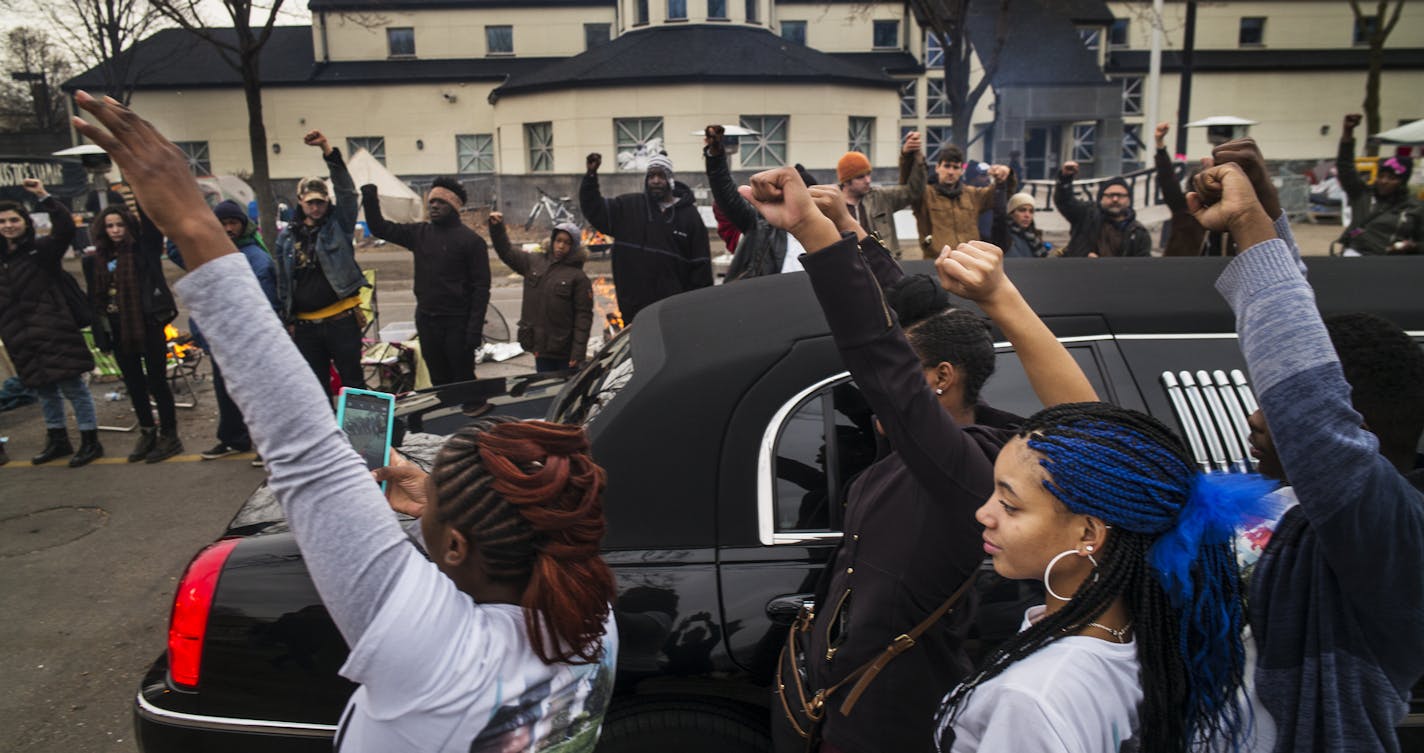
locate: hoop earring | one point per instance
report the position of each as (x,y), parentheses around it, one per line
(1053,562)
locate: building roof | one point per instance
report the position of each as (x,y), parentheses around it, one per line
(894,63)
(1265,60)
(671,54)
(287,60)
(1042,48)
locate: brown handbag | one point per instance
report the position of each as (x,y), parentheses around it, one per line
(803,709)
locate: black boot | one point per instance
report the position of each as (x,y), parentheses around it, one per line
(167,446)
(147,437)
(56,446)
(89,448)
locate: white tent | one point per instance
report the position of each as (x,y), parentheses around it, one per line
(1409,133)
(217,188)
(398,202)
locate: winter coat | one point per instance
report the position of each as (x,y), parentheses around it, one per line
(880,205)
(952,221)
(762,249)
(36,325)
(1187,234)
(1086,220)
(1376,224)
(656,252)
(159,307)
(335,253)
(452,274)
(557,312)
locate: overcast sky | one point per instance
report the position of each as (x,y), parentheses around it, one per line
(23,13)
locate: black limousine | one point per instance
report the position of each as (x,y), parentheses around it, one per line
(729,429)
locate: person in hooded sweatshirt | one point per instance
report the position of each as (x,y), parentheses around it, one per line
(557,312)
(660,245)
(452,278)
(1110,229)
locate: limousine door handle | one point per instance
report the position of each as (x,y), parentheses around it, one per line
(782,610)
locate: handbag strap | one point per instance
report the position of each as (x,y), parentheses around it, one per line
(867,672)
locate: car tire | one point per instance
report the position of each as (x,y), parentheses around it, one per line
(690,726)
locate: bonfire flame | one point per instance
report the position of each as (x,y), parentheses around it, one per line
(177,342)
(605,302)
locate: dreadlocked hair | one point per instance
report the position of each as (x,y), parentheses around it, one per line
(530,498)
(1168,556)
(940,333)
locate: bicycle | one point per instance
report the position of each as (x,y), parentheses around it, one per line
(558,210)
(496,329)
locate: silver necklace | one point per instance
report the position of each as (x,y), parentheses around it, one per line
(1120,634)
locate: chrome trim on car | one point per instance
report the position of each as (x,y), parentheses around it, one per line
(1174,391)
(1235,443)
(1215,451)
(766,471)
(1243,391)
(1237,412)
(228,724)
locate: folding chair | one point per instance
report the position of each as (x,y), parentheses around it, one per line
(106,369)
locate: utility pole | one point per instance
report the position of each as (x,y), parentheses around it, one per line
(1184,101)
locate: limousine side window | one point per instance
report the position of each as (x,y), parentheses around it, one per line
(829,437)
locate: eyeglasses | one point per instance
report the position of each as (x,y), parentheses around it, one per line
(1115,196)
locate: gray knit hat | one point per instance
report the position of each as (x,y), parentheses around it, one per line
(661,162)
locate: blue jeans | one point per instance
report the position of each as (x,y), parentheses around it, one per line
(52,398)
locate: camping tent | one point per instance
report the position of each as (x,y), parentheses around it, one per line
(398,202)
(1409,133)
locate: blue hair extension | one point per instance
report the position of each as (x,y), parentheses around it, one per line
(1216,506)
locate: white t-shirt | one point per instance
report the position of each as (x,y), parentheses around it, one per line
(794,249)
(439,672)
(1077,694)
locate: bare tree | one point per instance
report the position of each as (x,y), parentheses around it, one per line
(240,46)
(948,21)
(1379,32)
(105,31)
(34,67)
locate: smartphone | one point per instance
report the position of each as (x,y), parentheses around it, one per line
(368,418)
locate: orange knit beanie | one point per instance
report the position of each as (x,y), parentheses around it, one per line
(852,166)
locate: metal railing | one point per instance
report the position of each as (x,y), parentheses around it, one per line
(1142,183)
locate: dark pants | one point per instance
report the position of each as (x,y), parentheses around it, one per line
(332,342)
(550,363)
(443,345)
(232,430)
(146,376)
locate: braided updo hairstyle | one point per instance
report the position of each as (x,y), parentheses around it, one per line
(530,499)
(1168,556)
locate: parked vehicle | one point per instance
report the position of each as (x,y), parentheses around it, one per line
(729,429)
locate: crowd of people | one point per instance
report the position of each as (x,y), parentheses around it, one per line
(1157,631)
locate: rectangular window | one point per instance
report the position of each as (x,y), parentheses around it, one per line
(1117,33)
(539,140)
(794,31)
(752,11)
(197,153)
(934,51)
(636,139)
(887,35)
(937,137)
(596,34)
(909,107)
(376,145)
(717,9)
(640,17)
(1252,32)
(499,40)
(1085,142)
(1365,27)
(400,43)
(768,147)
(1132,95)
(677,10)
(937,105)
(474,153)
(1092,37)
(862,135)
(1132,146)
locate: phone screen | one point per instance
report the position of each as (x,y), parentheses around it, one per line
(366,419)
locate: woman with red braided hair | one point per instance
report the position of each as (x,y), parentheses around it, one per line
(503,639)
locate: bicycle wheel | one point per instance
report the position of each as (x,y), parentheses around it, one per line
(496,328)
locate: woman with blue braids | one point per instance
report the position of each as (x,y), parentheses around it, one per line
(1139,644)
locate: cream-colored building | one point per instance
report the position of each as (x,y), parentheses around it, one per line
(527,88)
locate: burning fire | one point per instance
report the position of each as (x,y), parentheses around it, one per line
(605,303)
(177,341)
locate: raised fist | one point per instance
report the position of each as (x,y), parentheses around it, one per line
(999,173)
(912,142)
(1069,169)
(315,138)
(1161,133)
(496,218)
(33,186)
(712,138)
(594,161)
(1352,120)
